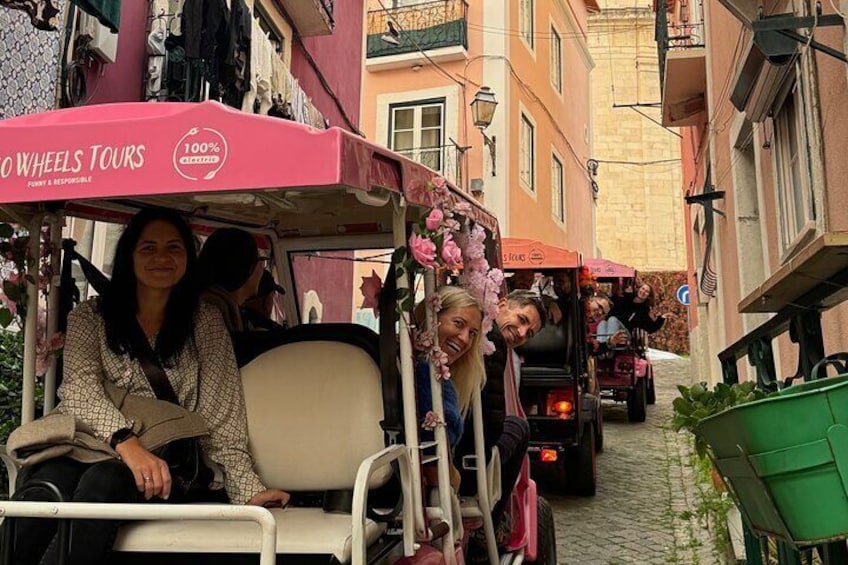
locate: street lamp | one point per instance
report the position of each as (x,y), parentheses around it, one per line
(483,110)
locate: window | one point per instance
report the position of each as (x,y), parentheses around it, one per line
(528,153)
(417,131)
(557,189)
(525,21)
(266,23)
(556,60)
(791,151)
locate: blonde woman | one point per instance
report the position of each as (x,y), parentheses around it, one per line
(459,320)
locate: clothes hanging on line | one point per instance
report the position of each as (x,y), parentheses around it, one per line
(43,14)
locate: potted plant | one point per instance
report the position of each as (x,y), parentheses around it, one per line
(782,455)
(697,402)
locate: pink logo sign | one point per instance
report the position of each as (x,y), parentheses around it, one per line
(200,154)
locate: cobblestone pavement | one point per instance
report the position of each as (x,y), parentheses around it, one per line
(645,483)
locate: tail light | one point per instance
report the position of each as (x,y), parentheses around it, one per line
(548,455)
(560,403)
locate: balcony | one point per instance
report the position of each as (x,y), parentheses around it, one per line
(446,160)
(310,17)
(397,36)
(682,67)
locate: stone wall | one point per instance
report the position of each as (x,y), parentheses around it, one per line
(640,206)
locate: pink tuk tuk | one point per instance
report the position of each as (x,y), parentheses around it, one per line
(625,374)
(313,198)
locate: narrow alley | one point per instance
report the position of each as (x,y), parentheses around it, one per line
(644,511)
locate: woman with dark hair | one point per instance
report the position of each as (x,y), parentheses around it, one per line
(148,315)
(230,271)
(634,310)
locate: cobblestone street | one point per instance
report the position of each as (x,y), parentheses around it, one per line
(645,483)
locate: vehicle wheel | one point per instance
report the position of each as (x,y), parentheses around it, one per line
(584,465)
(652,391)
(545,534)
(637,402)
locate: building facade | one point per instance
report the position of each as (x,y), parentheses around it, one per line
(302,60)
(425,62)
(640,207)
(763,136)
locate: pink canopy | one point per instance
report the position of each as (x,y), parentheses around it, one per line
(604,268)
(148,149)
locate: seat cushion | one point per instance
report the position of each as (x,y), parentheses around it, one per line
(313,412)
(299,531)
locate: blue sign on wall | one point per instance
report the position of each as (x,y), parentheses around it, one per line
(683,295)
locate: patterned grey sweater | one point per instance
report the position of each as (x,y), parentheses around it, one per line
(204,376)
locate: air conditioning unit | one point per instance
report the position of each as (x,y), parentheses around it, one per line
(104,43)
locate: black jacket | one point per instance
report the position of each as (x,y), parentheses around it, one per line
(493,397)
(636,314)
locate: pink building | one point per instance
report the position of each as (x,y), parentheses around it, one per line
(763,122)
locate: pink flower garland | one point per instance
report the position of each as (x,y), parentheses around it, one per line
(483,282)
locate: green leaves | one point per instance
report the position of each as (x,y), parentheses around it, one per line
(6,317)
(698,402)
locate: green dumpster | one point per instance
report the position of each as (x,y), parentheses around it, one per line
(785,459)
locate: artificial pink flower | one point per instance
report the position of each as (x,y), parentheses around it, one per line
(434,219)
(439,183)
(56,343)
(431,421)
(423,250)
(462,207)
(451,253)
(370,289)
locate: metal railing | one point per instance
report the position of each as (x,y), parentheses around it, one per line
(446,160)
(673,36)
(427,25)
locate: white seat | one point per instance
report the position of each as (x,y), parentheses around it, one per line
(299,531)
(313,411)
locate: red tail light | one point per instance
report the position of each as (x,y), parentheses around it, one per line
(548,455)
(560,403)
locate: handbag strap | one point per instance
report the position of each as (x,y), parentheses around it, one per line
(153,369)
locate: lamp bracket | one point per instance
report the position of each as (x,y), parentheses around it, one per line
(766,28)
(704,197)
(490,143)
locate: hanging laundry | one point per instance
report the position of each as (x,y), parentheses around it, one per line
(279,79)
(236,73)
(160,18)
(262,55)
(42,13)
(205,26)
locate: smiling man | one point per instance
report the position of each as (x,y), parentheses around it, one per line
(519,318)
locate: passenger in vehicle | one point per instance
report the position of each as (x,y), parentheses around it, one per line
(521,280)
(604,332)
(634,310)
(458,332)
(230,269)
(149,314)
(519,318)
(562,287)
(258,310)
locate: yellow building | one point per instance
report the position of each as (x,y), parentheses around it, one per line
(426,61)
(640,207)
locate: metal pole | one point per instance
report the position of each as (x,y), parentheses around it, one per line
(443,462)
(107,511)
(410,414)
(56,224)
(31,323)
